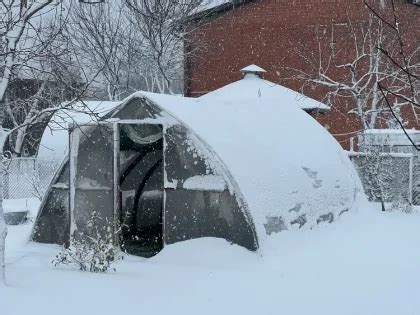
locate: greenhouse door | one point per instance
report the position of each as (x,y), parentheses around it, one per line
(92,201)
(141,188)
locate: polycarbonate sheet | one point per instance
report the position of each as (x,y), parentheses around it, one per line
(91,178)
(202,212)
(137,108)
(52,225)
(194,214)
(181,159)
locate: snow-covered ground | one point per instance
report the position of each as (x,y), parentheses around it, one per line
(366,263)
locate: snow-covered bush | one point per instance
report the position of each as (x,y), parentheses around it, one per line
(401,205)
(94,252)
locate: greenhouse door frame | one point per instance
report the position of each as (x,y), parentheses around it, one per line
(116,140)
(117,171)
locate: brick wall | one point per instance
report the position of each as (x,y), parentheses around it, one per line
(269,33)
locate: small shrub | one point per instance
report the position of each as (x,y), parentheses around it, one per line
(90,253)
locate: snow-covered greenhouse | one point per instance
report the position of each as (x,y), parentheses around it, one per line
(239,163)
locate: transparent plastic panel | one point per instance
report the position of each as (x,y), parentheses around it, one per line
(63,177)
(197,202)
(138,108)
(193,214)
(181,159)
(91,182)
(52,225)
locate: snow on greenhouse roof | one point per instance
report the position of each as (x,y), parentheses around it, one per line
(54,140)
(254,88)
(281,171)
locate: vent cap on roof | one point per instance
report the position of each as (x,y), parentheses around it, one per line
(253,70)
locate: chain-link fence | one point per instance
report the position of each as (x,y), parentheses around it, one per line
(387,176)
(28,178)
(416,181)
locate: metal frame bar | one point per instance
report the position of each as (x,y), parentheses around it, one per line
(72,189)
(164,186)
(116,184)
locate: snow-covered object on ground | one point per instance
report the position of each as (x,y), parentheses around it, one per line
(282,168)
(21,205)
(54,141)
(17,211)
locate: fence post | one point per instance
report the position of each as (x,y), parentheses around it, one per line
(5,179)
(410,181)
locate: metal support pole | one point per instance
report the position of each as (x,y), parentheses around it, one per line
(116,179)
(72,182)
(164,184)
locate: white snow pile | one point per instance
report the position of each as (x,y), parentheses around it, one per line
(205,182)
(367,263)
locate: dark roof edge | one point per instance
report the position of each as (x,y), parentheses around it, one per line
(220,9)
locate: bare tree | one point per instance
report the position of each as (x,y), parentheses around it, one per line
(34,46)
(379,73)
(100,34)
(51,76)
(137,44)
(163,27)
(15,18)
(389,14)
(353,72)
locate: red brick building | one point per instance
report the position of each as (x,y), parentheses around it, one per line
(269,33)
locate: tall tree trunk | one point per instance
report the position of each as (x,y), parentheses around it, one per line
(3,234)
(9,61)
(3,228)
